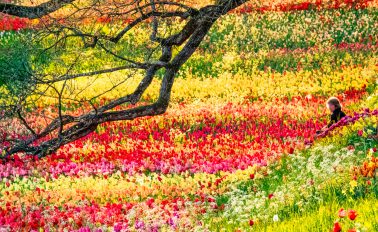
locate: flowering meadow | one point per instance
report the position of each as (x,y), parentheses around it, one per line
(236,149)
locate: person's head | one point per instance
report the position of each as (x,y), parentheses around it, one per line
(333,103)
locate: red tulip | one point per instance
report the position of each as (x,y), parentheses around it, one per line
(251,222)
(336,227)
(150,202)
(352,214)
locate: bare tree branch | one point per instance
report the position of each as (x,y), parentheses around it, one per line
(33,12)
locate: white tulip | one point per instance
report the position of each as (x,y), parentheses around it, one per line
(275,218)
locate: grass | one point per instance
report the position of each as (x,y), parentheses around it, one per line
(320,219)
(325,216)
(305,207)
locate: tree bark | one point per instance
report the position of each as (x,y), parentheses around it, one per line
(33,12)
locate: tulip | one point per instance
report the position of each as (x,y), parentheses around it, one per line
(342,213)
(352,214)
(251,222)
(336,227)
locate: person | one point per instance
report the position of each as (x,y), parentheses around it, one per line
(334,106)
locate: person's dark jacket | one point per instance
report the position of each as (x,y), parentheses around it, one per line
(336,116)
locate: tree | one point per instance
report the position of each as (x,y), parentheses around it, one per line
(66,127)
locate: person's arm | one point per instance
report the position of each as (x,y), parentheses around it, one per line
(321,130)
(332,120)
